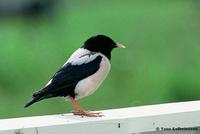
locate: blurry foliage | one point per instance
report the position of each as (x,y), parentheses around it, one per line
(160,64)
(27,8)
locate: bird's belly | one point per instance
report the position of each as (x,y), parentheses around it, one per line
(88,85)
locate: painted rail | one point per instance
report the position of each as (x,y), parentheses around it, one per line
(182,117)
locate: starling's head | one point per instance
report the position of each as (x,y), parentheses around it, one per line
(102,44)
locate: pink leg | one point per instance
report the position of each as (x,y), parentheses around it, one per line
(82,112)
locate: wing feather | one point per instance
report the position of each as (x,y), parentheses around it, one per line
(71,73)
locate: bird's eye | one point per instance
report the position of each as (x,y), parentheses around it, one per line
(112,46)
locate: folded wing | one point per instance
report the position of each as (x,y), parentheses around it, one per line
(65,79)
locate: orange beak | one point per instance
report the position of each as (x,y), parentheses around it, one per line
(120,45)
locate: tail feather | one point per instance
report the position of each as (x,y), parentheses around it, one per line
(34,100)
(40,95)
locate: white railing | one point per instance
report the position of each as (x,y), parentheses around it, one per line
(152,119)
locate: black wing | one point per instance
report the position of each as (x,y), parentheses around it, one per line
(65,80)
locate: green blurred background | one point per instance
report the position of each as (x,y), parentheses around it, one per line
(161,62)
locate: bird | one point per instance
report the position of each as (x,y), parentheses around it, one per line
(81,74)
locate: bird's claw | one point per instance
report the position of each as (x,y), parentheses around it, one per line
(88,113)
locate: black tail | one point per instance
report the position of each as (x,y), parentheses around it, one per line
(34,99)
(40,95)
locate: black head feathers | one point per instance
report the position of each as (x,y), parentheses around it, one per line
(100,43)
